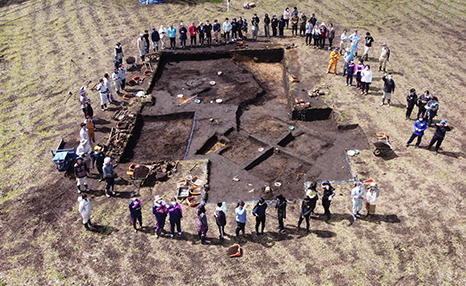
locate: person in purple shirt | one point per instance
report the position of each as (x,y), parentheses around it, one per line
(176,214)
(135,212)
(160,210)
(201,222)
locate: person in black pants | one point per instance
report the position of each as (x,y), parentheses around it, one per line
(306,209)
(135,212)
(439,135)
(274,23)
(329,193)
(422,102)
(221,220)
(411,100)
(281,211)
(259,212)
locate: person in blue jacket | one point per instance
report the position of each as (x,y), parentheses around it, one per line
(176,214)
(240,212)
(160,210)
(259,212)
(419,127)
(172,35)
(135,212)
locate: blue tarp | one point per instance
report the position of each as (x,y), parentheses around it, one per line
(151,1)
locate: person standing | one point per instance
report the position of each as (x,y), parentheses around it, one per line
(331,36)
(281,211)
(85,104)
(135,212)
(226,30)
(109,176)
(388,88)
(81,171)
(239,26)
(202,226)
(334,57)
(313,19)
(85,210)
(308,33)
(208,32)
(103,92)
(384,57)
(259,212)
(419,127)
(141,43)
(234,29)
(312,194)
(84,151)
(354,40)
(146,38)
(359,69)
(176,214)
(346,57)
(183,35)
(302,24)
(371,199)
(357,195)
(329,193)
(155,37)
(172,35)
(122,75)
(281,26)
(255,27)
(220,219)
(343,40)
(193,34)
(350,69)
(316,35)
(109,87)
(366,79)
(160,211)
(368,42)
(163,37)
(267,26)
(274,24)
(116,81)
(83,134)
(294,25)
(439,135)
(90,126)
(286,16)
(431,109)
(201,33)
(99,157)
(217,29)
(323,35)
(422,102)
(306,208)
(240,212)
(119,52)
(411,100)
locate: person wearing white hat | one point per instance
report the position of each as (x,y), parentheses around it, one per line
(371,199)
(357,195)
(109,176)
(142,46)
(439,135)
(84,151)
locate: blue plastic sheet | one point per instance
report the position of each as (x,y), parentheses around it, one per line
(151,1)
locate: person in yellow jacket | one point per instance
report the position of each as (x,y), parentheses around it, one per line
(334,57)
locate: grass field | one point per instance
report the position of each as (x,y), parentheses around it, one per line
(419,238)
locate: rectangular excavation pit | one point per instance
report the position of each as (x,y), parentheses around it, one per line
(241,148)
(273,167)
(163,137)
(311,113)
(307,145)
(214,144)
(286,140)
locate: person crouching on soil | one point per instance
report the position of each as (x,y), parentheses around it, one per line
(334,57)
(135,212)
(371,199)
(85,210)
(357,194)
(281,212)
(176,214)
(202,226)
(160,210)
(109,176)
(259,212)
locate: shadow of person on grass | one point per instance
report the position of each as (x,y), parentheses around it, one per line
(103,229)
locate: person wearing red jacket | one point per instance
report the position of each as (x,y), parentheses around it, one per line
(193,33)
